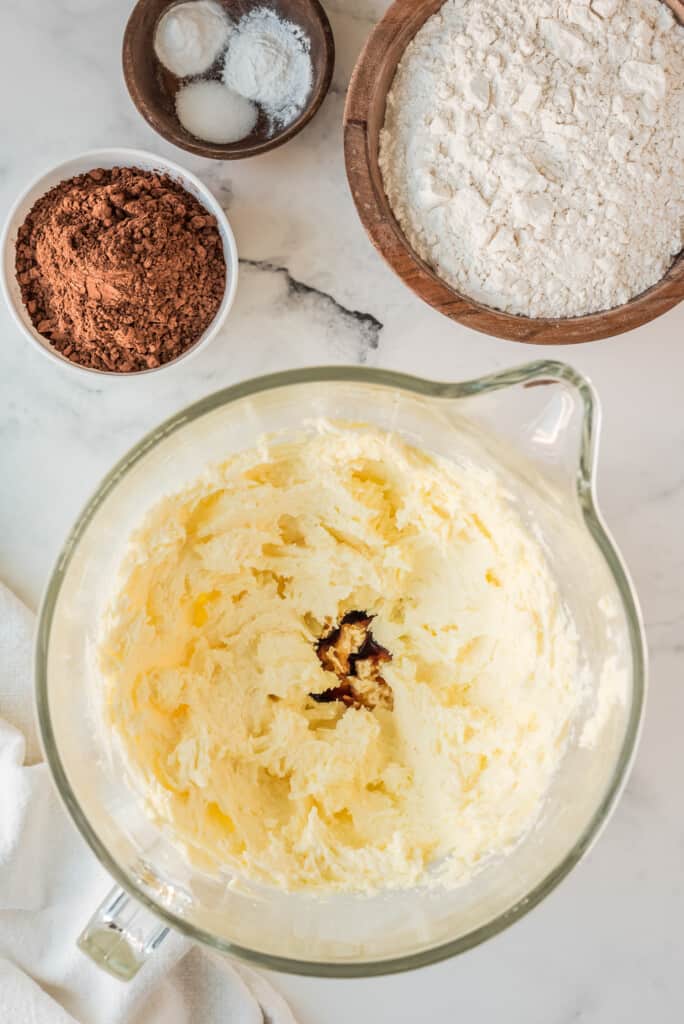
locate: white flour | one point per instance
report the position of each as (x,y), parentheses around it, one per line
(268,62)
(532,152)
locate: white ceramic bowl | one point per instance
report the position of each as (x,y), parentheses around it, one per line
(79,165)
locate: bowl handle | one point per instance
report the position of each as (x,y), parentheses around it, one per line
(121,935)
(556,427)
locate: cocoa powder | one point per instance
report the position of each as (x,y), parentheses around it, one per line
(121,269)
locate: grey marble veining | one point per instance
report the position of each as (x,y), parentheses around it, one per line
(605,948)
(363,328)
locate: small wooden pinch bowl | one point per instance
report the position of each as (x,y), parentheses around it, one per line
(364,116)
(153,88)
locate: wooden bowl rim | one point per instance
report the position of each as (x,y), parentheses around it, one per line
(388,238)
(227,151)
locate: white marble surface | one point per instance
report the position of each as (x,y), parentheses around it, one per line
(605,947)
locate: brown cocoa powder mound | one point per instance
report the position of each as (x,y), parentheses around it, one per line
(121,269)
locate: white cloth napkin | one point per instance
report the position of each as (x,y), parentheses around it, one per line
(50,883)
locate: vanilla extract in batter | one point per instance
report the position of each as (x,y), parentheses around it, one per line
(339,663)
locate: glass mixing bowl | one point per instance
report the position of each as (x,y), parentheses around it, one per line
(537,426)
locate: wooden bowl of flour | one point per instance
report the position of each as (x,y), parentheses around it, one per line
(364,116)
(153,88)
